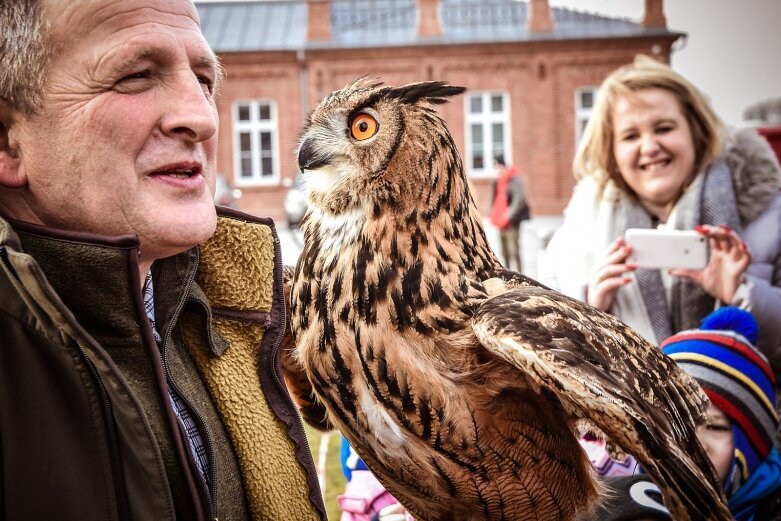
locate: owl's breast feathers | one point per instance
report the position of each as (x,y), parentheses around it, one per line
(386,339)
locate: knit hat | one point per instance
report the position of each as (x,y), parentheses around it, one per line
(736,377)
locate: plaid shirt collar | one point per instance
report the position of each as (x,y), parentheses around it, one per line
(149,304)
(196,444)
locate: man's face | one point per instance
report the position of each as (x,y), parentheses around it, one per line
(125,142)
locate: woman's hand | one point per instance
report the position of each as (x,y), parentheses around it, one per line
(610,275)
(729,259)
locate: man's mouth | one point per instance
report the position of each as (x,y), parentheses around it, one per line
(179,171)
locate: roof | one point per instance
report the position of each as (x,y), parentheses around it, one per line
(273,25)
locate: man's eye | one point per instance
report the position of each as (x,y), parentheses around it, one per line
(133,82)
(208,83)
(141,75)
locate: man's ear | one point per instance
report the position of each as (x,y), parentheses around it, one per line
(11,172)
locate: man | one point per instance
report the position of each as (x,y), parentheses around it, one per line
(138,360)
(508,209)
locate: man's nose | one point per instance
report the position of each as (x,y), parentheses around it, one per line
(190,114)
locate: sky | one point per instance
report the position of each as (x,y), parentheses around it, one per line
(732,51)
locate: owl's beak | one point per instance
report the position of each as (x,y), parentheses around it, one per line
(309,158)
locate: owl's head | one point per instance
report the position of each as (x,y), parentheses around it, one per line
(371,144)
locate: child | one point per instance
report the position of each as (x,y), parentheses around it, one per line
(364,498)
(741,423)
(742,420)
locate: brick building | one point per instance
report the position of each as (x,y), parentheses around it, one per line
(531,72)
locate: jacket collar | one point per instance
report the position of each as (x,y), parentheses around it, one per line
(97,278)
(177,290)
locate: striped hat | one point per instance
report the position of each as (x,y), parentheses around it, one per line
(736,377)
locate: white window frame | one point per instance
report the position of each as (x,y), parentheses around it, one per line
(582,114)
(254,126)
(487,118)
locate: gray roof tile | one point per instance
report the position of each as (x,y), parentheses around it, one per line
(281,24)
(254,26)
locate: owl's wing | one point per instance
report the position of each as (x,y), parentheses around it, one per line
(604,372)
(298,385)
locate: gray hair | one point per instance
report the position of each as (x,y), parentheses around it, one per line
(24,53)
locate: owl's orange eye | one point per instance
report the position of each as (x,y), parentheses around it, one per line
(363,126)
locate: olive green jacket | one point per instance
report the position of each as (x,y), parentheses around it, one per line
(86,427)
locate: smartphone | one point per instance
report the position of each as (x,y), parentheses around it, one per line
(664,249)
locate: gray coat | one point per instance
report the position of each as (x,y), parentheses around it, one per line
(756,179)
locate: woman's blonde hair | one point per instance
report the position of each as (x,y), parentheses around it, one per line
(595,157)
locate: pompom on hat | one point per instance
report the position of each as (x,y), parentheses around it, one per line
(736,377)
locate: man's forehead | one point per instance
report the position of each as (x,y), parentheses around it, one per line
(66,15)
(103,27)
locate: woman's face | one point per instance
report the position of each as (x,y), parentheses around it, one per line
(717,440)
(653,146)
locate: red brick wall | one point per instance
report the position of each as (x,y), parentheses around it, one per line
(253,76)
(540,77)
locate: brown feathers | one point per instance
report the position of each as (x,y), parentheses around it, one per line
(462,423)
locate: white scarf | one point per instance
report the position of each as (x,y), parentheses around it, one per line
(709,200)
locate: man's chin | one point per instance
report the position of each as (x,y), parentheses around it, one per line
(176,242)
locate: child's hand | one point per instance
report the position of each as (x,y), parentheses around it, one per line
(394,512)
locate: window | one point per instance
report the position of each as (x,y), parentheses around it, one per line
(255,142)
(487,131)
(584,104)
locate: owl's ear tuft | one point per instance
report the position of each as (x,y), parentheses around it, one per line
(431,91)
(364,82)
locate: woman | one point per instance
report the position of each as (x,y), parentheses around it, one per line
(654,155)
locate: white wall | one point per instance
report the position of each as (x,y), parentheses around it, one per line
(733,49)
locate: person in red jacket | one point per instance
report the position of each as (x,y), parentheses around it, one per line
(508,209)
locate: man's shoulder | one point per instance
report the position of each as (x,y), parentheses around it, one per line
(7,234)
(517,182)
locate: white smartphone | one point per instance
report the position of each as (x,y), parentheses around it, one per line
(665,249)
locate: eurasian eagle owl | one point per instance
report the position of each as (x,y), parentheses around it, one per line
(457,381)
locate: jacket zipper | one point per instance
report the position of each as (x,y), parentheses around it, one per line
(309,461)
(209,480)
(120,486)
(123,504)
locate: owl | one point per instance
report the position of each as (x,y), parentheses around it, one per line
(461,384)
